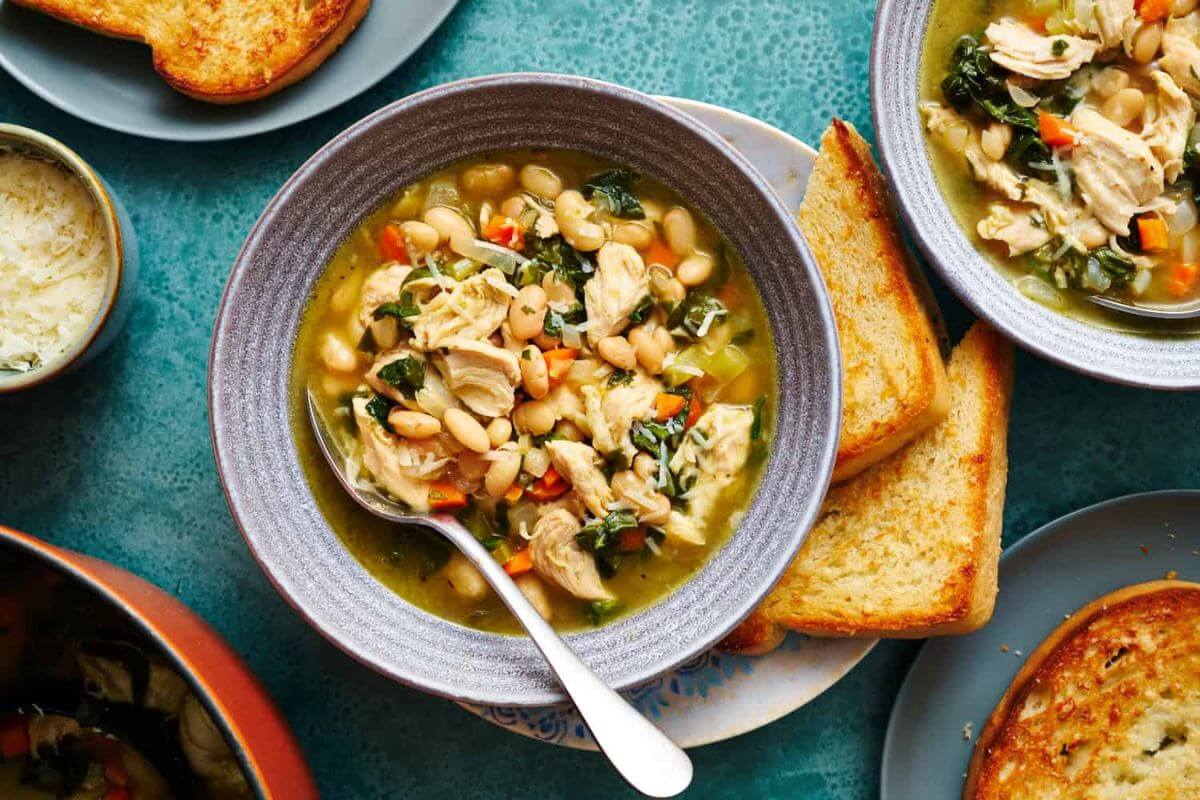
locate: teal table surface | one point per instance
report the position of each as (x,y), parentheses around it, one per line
(115,460)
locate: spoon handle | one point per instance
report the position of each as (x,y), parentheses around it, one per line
(640,752)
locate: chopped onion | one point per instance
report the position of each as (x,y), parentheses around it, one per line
(662,465)
(1020,96)
(503,259)
(1141,282)
(1184,218)
(1041,292)
(570,335)
(1094,278)
(652,546)
(1061,177)
(435,273)
(537,461)
(708,321)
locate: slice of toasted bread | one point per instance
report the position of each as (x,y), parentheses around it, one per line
(894,379)
(910,547)
(1107,706)
(222,51)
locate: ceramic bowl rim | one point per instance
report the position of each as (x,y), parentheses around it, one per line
(50,555)
(45,146)
(828,406)
(1030,334)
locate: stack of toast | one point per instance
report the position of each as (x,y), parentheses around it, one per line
(908,541)
(221,51)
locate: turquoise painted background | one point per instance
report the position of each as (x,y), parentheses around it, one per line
(115,461)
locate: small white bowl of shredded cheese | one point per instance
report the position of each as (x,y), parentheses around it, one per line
(67,260)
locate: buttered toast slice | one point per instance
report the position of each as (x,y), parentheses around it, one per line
(910,548)
(222,51)
(893,375)
(1107,706)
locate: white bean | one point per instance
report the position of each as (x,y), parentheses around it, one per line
(499,431)
(649,352)
(569,431)
(557,291)
(573,214)
(680,230)
(541,181)
(995,139)
(337,355)
(467,430)
(665,286)
(1146,43)
(503,471)
(535,592)
(413,424)
(527,313)
(665,340)
(695,269)
(513,207)
(448,223)
(423,237)
(1124,107)
(385,332)
(464,578)
(645,466)
(534,374)
(1181,8)
(534,417)
(617,351)
(486,180)
(638,234)
(1109,81)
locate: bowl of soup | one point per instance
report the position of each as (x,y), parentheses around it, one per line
(110,688)
(1045,157)
(583,325)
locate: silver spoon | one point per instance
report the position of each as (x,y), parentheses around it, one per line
(1191,311)
(640,752)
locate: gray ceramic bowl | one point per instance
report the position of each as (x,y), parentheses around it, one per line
(1163,362)
(289,248)
(122,265)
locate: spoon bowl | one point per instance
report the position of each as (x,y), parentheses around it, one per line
(1190,311)
(640,752)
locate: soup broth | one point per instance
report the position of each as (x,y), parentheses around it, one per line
(619,351)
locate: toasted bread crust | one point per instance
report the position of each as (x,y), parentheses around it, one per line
(199,57)
(755,636)
(848,190)
(966,596)
(1143,616)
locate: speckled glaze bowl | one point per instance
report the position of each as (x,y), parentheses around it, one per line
(270,757)
(1156,361)
(122,265)
(288,250)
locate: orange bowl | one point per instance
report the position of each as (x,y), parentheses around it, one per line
(270,757)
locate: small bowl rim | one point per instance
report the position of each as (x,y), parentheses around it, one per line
(47,147)
(1030,334)
(53,556)
(829,403)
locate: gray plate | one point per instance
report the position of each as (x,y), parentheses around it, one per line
(1052,572)
(1163,361)
(112,83)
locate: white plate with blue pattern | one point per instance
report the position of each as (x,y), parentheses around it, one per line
(718,696)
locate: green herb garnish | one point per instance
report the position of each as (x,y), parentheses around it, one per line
(405,374)
(612,192)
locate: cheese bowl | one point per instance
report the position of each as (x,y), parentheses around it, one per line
(121,260)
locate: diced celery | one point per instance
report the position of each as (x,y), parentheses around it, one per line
(461,269)
(727,364)
(686,363)
(503,553)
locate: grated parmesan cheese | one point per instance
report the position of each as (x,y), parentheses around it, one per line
(53,261)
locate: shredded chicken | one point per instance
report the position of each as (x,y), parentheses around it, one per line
(383,286)
(1117,174)
(559,558)
(1116,23)
(712,453)
(621,282)
(579,464)
(1017,47)
(612,412)
(394,464)
(480,374)
(473,309)
(1167,123)
(1181,52)
(1022,228)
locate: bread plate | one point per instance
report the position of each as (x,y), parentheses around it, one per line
(955,683)
(717,695)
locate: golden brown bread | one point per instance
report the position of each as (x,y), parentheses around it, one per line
(893,374)
(222,51)
(910,548)
(1107,706)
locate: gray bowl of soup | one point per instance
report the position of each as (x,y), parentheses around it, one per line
(569,315)
(1045,156)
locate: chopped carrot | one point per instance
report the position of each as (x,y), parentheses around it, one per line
(694,411)
(520,563)
(115,772)
(14,736)
(1151,11)
(444,495)
(1036,22)
(117,793)
(667,406)
(1056,131)
(659,253)
(548,487)
(1182,279)
(558,364)
(514,493)
(631,540)
(505,231)
(730,295)
(1152,232)
(391,244)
